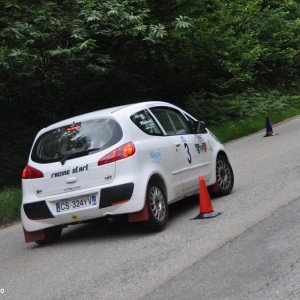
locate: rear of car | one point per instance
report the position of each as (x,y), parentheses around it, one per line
(72,165)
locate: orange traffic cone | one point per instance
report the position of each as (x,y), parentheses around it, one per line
(206,208)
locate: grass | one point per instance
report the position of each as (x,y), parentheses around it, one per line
(10,203)
(10,198)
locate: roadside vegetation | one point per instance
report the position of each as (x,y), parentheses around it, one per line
(228,62)
(10,203)
(253,120)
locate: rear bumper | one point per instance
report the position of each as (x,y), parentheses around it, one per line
(112,199)
(116,195)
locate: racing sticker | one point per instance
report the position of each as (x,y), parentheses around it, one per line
(200,138)
(186,146)
(198,148)
(73,127)
(80,169)
(155,155)
(204,146)
(71,171)
(144,121)
(147,124)
(183,139)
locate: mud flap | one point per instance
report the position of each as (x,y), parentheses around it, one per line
(213,188)
(33,236)
(139,216)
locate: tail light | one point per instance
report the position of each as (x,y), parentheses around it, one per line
(121,152)
(31,173)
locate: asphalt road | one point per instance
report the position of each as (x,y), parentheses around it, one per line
(262,263)
(254,243)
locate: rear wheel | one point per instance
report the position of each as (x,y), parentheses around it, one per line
(224,175)
(52,234)
(157,206)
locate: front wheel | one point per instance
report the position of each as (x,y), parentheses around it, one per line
(157,207)
(224,175)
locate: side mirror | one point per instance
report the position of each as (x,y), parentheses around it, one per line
(200,127)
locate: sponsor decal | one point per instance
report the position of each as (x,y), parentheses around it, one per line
(204,146)
(80,169)
(147,124)
(155,155)
(71,171)
(142,116)
(61,173)
(200,138)
(74,127)
(198,148)
(182,138)
(70,189)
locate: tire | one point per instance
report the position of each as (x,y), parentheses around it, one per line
(224,175)
(157,207)
(52,235)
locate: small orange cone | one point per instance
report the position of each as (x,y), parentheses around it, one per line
(206,208)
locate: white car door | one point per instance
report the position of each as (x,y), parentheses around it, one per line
(183,145)
(157,148)
(204,149)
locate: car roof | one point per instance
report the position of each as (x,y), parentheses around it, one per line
(129,108)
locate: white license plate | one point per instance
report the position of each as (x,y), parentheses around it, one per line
(69,205)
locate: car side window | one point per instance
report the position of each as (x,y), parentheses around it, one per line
(165,121)
(171,120)
(145,122)
(195,124)
(191,122)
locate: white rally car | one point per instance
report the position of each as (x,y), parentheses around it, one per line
(133,159)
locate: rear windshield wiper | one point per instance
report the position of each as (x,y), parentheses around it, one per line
(75,154)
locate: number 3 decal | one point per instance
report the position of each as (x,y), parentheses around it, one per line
(188,152)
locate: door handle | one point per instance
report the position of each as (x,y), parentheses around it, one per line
(177,144)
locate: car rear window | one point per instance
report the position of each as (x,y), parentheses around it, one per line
(76,138)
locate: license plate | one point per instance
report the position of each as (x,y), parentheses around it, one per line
(69,205)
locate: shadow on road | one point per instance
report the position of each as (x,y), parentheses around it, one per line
(120,228)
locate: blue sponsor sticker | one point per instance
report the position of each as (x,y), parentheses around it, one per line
(182,138)
(155,155)
(200,138)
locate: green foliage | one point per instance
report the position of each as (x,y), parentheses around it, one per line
(214,46)
(10,202)
(63,58)
(214,109)
(234,129)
